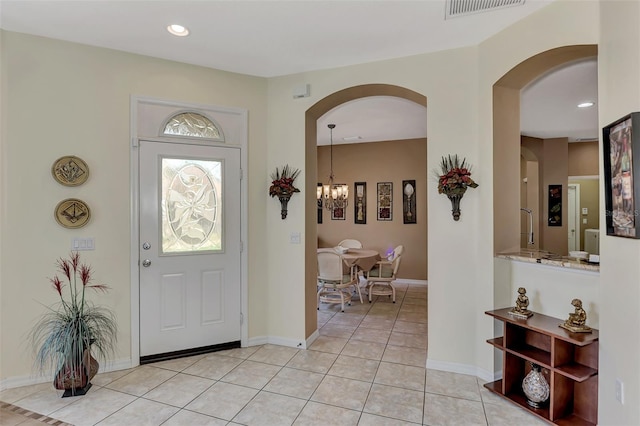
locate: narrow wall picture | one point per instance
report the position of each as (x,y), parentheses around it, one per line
(385,201)
(620,144)
(555,205)
(360,205)
(319,202)
(409,201)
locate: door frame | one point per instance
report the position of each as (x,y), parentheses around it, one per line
(576,213)
(134,267)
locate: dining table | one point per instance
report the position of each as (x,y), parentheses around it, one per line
(360,258)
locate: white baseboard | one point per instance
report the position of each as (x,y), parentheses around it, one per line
(19,381)
(312,338)
(274,340)
(281,341)
(472,370)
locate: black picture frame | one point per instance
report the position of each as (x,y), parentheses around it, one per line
(409,201)
(319,201)
(554,206)
(338,213)
(621,158)
(360,203)
(385,201)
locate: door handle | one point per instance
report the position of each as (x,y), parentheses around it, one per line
(146,263)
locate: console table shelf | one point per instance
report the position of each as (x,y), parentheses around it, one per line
(569,362)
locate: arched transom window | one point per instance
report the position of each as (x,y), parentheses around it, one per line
(192,124)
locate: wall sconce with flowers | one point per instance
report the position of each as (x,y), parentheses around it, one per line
(282,186)
(454,180)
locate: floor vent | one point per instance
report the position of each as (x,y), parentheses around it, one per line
(456,8)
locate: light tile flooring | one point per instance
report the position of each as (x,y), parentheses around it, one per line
(367,367)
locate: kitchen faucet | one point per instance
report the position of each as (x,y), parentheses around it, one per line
(530,233)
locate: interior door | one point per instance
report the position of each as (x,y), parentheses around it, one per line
(189,246)
(573,226)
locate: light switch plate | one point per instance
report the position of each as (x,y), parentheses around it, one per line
(294,238)
(585,210)
(79,244)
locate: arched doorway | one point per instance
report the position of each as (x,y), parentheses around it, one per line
(506,137)
(311,117)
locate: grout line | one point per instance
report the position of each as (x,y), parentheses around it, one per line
(4,406)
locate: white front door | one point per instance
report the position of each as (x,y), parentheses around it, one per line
(190,281)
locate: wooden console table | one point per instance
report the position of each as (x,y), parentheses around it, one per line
(569,362)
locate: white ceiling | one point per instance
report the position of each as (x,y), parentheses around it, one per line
(272,38)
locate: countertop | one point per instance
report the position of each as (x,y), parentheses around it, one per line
(550,259)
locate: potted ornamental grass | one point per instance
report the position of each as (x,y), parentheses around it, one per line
(69,331)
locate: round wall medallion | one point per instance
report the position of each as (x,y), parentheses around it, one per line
(70,170)
(72,213)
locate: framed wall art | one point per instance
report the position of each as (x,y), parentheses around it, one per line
(338,213)
(360,204)
(385,201)
(319,201)
(555,205)
(621,145)
(409,201)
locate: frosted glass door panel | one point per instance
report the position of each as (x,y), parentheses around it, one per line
(191,205)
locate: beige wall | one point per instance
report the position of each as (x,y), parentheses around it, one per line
(392,161)
(618,94)
(61,98)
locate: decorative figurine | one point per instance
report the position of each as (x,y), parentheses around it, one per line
(577,320)
(522,303)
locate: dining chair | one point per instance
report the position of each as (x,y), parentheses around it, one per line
(350,243)
(380,278)
(333,282)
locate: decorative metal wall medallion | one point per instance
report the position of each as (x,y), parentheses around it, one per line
(72,213)
(70,171)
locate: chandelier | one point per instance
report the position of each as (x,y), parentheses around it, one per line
(331,195)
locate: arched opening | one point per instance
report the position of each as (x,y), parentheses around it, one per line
(311,117)
(506,138)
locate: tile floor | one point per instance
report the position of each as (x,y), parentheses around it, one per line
(367,367)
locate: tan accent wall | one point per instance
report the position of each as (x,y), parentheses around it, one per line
(392,161)
(589,199)
(584,161)
(555,172)
(506,186)
(583,158)
(551,159)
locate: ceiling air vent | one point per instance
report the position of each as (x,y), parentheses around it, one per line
(457,8)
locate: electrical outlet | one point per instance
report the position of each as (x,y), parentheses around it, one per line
(620,391)
(294,238)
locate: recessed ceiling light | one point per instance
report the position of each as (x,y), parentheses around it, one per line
(178,30)
(586,104)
